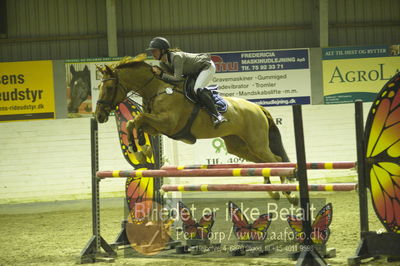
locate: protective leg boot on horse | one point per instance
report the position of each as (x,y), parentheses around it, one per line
(206,99)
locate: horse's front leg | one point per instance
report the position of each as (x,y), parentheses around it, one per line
(150,123)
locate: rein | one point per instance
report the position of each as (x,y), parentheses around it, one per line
(111,102)
(150,100)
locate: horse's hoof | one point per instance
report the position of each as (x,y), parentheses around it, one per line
(132,148)
(274,195)
(293,199)
(147,151)
(142,138)
(140,157)
(291,178)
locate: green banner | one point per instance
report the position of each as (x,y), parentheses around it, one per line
(357,73)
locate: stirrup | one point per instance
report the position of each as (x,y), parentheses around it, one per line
(218,120)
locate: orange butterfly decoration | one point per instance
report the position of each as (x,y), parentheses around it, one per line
(249,231)
(382,135)
(139,191)
(319,229)
(193,229)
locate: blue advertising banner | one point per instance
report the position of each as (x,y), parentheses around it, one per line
(268,78)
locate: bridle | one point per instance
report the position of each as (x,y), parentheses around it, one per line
(110,103)
(107,103)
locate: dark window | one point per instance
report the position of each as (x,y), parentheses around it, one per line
(3,17)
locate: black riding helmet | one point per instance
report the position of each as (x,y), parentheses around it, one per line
(159,43)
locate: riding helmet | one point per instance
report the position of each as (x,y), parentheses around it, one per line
(159,43)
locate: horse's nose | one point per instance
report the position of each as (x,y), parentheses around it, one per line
(72,109)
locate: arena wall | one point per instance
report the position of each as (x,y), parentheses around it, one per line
(50,159)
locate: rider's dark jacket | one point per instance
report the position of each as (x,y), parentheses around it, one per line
(182,64)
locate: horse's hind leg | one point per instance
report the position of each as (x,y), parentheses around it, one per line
(276,146)
(292,198)
(261,147)
(236,146)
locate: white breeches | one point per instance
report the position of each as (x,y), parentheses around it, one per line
(204,77)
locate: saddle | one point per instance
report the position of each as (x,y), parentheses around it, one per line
(188,89)
(190,94)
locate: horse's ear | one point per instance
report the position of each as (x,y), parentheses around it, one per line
(72,69)
(108,70)
(100,69)
(86,69)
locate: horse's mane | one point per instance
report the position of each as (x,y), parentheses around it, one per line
(129,61)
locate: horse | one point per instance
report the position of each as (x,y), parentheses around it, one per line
(249,132)
(80,88)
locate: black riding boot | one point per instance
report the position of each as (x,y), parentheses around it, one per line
(206,99)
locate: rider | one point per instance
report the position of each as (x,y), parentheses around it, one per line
(182,64)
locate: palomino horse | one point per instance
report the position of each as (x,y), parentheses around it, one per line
(249,133)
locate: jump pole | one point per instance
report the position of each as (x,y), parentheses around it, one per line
(314,165)
(258,187)
(308,254)
(199,172)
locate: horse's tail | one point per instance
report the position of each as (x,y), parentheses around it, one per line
(275,139)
